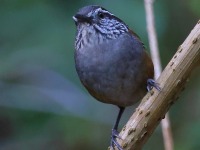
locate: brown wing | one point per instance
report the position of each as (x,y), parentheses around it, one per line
(149,64)
(134,34)
(147,58)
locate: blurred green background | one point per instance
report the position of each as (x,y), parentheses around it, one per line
(43,106)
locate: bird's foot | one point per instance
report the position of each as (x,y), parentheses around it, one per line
(113,142)
(151,83)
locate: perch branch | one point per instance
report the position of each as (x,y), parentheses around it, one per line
(153,43)
(155,104)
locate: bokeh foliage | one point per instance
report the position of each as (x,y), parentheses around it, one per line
(42,103)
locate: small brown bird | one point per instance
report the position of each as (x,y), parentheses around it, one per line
(111,61)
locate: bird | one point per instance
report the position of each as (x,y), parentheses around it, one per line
(111,61)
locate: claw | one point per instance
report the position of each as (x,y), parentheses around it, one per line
(113,143)
(115,133)
(151,83)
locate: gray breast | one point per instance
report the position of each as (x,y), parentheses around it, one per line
(111,70)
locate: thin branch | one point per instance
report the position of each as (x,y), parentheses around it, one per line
(167,133)
(153,43)
(155,104)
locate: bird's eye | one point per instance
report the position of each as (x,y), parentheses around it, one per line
(101,15)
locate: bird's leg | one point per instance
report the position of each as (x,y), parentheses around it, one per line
(151,83)
(115,133)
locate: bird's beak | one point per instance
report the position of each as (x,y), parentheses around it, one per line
(81,18)
(75,19)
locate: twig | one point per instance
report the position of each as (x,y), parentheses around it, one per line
(155,104)
(167,133)
(152,37)
(165,123)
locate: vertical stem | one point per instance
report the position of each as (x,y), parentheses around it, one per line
(152,36)
(153,43)
(167,133)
